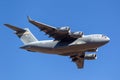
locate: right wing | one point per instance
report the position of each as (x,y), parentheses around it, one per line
(56,33)
(78,59)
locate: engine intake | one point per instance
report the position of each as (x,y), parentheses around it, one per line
(76,34)
(64,28)
(90,56)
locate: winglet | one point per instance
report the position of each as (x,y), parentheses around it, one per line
(15,28)
(29,19)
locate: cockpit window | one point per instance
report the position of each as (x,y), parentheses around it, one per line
(104,36)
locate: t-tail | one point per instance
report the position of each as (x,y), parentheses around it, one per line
(24,34)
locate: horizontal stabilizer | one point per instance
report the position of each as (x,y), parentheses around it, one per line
(24,34)
(15,28)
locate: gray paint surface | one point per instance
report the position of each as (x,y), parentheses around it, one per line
(64,43)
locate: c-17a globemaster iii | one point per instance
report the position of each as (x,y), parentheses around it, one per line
(65,43)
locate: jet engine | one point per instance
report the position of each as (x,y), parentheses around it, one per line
(76,34)
(90,56)
(92,50)
(64,28)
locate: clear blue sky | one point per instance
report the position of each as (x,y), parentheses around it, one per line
(89,16)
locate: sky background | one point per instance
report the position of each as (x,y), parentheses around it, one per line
(89,16)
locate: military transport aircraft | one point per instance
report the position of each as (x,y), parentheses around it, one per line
(65,43)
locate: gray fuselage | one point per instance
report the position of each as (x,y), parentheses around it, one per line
(83,44)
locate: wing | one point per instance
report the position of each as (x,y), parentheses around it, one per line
(52,31)
(79,60)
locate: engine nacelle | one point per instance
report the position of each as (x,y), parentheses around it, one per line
(76,34)
(90,56)
(64,28)
(92,50)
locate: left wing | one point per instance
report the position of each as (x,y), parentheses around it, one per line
(78,59)
(56,33)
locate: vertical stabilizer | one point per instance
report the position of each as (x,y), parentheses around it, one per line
(24,34)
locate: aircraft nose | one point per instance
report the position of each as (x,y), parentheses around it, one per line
(106,39)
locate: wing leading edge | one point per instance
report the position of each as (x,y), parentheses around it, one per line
(52,31)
